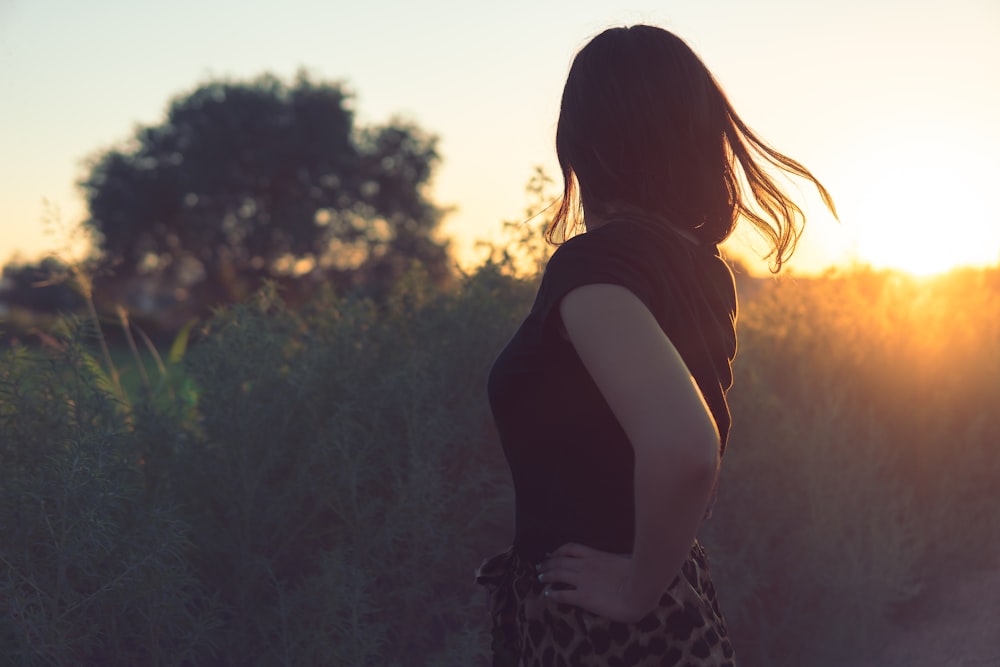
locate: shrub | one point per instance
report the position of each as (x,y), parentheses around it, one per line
(346,477)
(93,573)
(318,484)
(860,456)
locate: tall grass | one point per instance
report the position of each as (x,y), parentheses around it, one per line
(861,456)
(92,571)
(318,484)
(345,470)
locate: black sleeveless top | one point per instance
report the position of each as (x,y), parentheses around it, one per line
(570,460)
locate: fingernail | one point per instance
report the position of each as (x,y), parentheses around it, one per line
(545,592)
(538,567)
(540,576)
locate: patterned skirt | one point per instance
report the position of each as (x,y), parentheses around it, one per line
(686,628)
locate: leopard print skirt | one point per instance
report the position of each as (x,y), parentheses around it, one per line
(686,628)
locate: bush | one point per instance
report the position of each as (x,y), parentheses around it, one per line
(318,485)
(94,573)
(346,476)
(860,457)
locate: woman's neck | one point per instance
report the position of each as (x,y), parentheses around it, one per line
(600,217)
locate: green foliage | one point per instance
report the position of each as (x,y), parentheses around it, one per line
(93,573)
(248,181)
(318,484)
(524,251)
(346,475)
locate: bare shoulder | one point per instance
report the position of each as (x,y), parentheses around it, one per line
(610,327)
(635,365)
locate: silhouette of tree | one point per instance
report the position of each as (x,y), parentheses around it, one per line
(39,286)
(245,181)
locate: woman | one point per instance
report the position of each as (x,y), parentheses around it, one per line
(610,399)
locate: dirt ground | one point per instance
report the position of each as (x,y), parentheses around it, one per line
(954,622)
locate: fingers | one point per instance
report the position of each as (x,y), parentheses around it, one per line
(564,596)
(567,564)
(560,575)
(561,563)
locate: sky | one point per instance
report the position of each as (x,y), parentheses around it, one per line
(890,103)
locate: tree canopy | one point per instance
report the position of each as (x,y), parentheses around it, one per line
(244,181)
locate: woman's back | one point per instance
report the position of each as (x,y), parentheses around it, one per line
(570,459)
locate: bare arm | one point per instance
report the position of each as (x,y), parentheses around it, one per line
(676,444)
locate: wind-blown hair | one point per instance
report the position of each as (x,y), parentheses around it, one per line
(644,125)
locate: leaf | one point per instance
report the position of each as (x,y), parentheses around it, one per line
(179,346)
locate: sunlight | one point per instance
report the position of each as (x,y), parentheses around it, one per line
(924,210)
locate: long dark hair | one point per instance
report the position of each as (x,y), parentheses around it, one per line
(644,125)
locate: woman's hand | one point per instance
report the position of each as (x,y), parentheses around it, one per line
(602,583)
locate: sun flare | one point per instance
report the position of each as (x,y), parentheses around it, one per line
(923,213)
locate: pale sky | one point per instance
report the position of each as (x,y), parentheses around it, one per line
(891,103)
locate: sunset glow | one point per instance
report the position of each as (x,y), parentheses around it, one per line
(921,208)
(898,121)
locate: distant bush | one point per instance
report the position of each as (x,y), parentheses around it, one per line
(39,287)
(318,484)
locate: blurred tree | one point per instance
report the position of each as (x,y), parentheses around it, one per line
(245,181)
(39,286)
